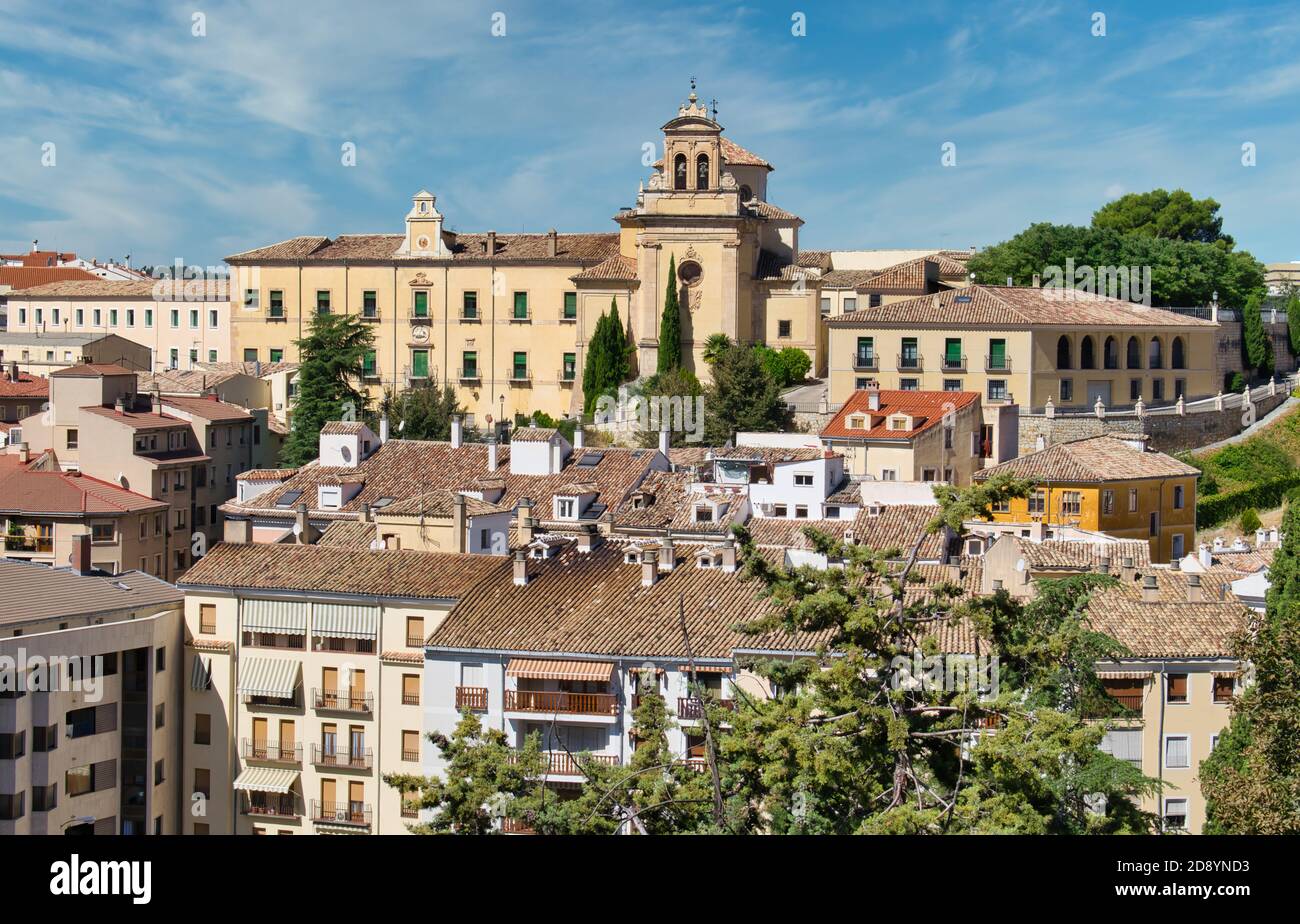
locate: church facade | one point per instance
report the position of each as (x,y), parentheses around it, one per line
(505,319)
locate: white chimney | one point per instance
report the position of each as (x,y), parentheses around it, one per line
(1204,556)
(664,441)
(457,432)
(588,539)
(649,568)
(729,555)
(383,429)
(1150,589)
(1261,536)
(579,439)
(520,568)
(1193,588)
(1127,570)
(668,555)
(492,454)
(873,399)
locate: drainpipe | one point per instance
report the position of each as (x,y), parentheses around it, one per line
(1160,753)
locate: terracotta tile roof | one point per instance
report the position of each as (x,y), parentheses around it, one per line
(342,428)
(849,493)
(1063,554)
(769,212)
(845,279)
(902,277)
(266,474)
(926,408)
(208,409)
(35,591)
(532,434)
(581,248)
(197,290)
(594,604)
(25,277)
(354,534)
(295,248)
(27,386)
(774,455)
(814,259)
(210,644)
(403,657)
(343,570)
(441,503)
(949,266)
(27,490)
(40,257)
(1092,460)
(1172,627)
(247,368)
(617,268)
(138,420)
(667,502)
(733,153)
(896,526)
(91,370)
(1016,307)
(775,266)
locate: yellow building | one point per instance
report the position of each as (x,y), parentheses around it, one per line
(505,319)
(1108,485)
(1025,345)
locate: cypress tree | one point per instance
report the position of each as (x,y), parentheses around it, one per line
(1293,321)
(596,371)
(670,325)
(1259,348)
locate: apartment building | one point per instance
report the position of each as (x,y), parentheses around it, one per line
(1025,345)
(90,710)
(913,435)
(21,394)
(41,352)
(45,510)
(305,667)
(844,291)
(1110,485)
(177,323)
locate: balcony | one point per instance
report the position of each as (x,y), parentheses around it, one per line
(343,700)
(514,826)
(953,363)
(369,314)
(521,377)
(342,760)
(691,707)
(547,701)
(909,363)
(865,362)
(470,375)
(410,809)
(562,763)
(412,756)
(271,752)
(40,545)
(567,376)
(410,699)
(989,364)
(415,641)
(420,320)
(270,805)
(341,813)
(475,699)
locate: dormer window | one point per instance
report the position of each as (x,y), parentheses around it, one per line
(898,423)
(330,497)
(631,558)
(566,508)
(857,423)
(703,513)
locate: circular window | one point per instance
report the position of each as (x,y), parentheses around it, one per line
(746,194)
(690,273)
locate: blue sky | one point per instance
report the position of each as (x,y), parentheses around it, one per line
(174,146)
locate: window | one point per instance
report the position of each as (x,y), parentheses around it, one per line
(415,631)
(908,384)
(370,304)
(783,328)
(159,772)
(13,807)
(1107,502)
(130,317)
(521,306)
(250,354)
(322,301)
(1063,353)
(1157,389)
(410,745)
(1127,690)
(780,510)
(368,364)
(72,439)
(1038,502)
(13,745)
(420,306)
(45,798)
(202,728)
(1001,506)
(419,364)
(1180,388)
(825,306)
(160,715)
(866,354)
(1177,547)
(194,319)
(411,689)
(1175,688)
(929,474)
(1134,389)
(679,171)
(1067,391)
(952,384)
(251,298)
(194,357)
(1070,503)
(702,172)
(203,782)
(803,479)
(570,370)
(703,514)
(207,619)
(997,389)
(850,304)
(801,512)
(520,370)
(997,354)
(1178,497)
(888,474)
(952,358)
(1124,744)
(1132,500)
(469,364)
(1175,814)
(1087,355)
(570,306)
(1110,353)
(469,306)
(909,358)
(1134,351)
(1178,354)
(276,354)
(213,321)
(101,532)
(1177,752)
(275,300)
(1224,688)
(947,437)
(1154,358)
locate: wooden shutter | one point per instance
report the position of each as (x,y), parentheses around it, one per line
(259,732)
(207,618)
(330,678)
(411,687)
(356,791)
(286,734)
(358,682)
(1177,687)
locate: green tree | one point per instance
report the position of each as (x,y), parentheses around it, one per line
(671,390)
(608,362)
(742,396)
(670,325)
(1159,213)
(1256,342)
(423,412)
(715,346)
(1292,308)
(330,361)
(1251,780)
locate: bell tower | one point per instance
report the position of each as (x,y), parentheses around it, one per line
(692,149)
(424,227)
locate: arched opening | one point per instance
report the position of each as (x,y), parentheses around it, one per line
(1179,354)
(679,171)
(1134,353)
(1110,353)
(1155,360)
(702,172)
(1087,355)
(1063,353)
(746,194)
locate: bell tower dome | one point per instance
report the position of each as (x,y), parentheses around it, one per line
(424,227)
(692,149)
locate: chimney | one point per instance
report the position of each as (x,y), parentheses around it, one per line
(120,404)
(1127,571)
(649,568)
(239,531)
(579,438)
(588,539)
(457,432)
(1194,588)
(667,554)
(520,565)
(1150,589)
(490,246)
(1104,567)
(1261,536)
(492,453)
(551,244)
(156,403)
(80,558)
(367,514)
(664,441)
(302,527)
(24,453)
(953,570)
(1036,530)
(873,399)
(13,372)
(383,429)
(729,555)
(458,524)
(1038,281)
(557,457)
(34,243)
(526,522)
(1204,556)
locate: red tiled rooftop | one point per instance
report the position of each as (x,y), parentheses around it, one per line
(27,386)
(928,406)
(27,491)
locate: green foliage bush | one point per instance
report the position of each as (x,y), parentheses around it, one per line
(1264,495)
(1250,461)
(1249,521)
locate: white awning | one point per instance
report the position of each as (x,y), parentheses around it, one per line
(281,617)
(267,779)
(345,620)
(1123,675)
(268,677)
(201,673)
(537,669)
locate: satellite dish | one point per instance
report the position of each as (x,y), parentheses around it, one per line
(297,529)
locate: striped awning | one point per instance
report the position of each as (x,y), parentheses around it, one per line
(267,779)
(1123,675)
(268,677)
(1226,674)
(281,617)
(345,620)
(594,671)
(201,673)
(708,668)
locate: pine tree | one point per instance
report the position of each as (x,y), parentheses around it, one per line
(330,361)
(1255,339)
(741,397)
(670,325)
(425,412)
